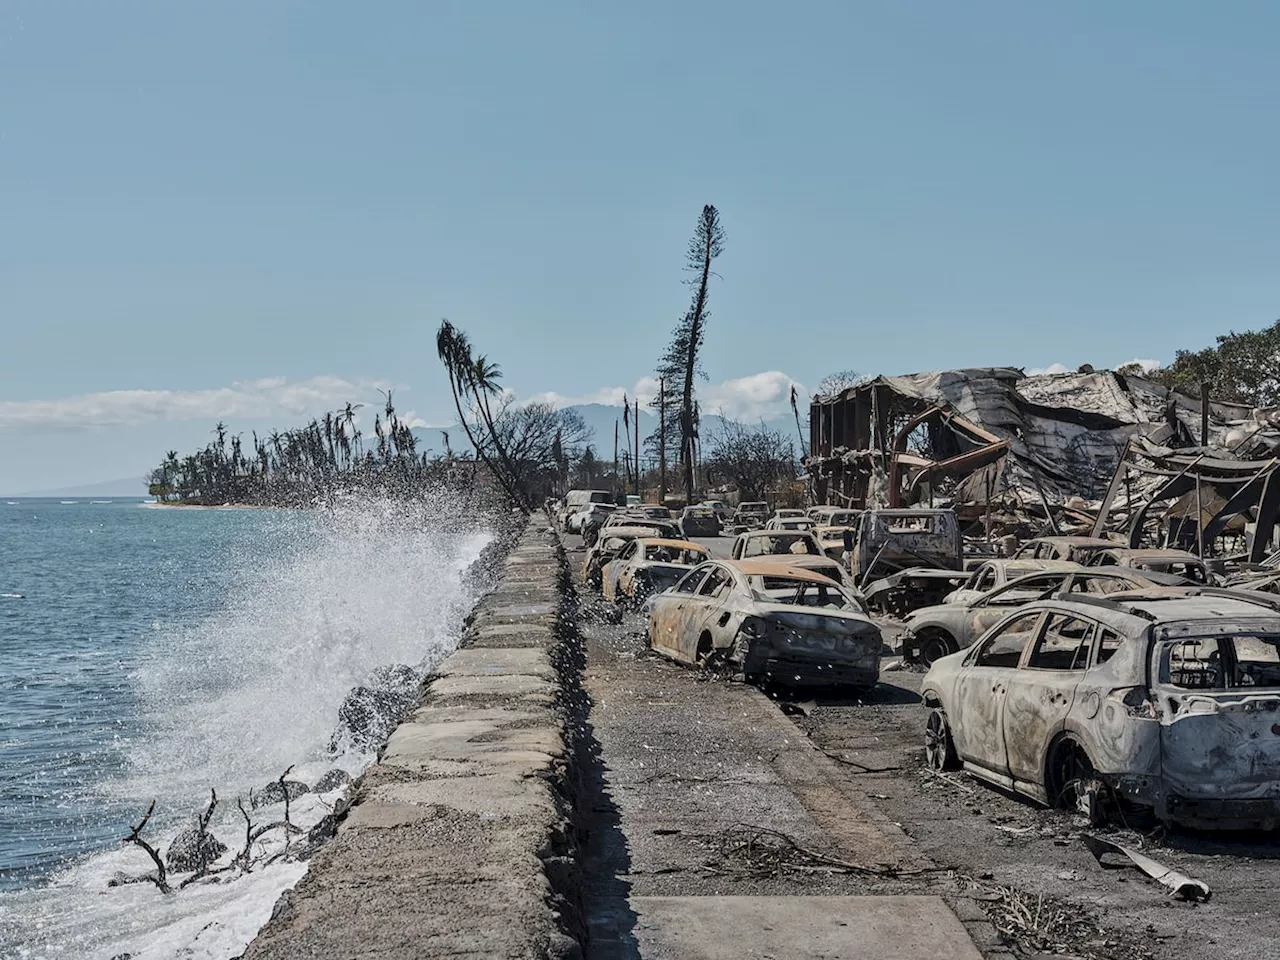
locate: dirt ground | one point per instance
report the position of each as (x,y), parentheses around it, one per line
(670,788)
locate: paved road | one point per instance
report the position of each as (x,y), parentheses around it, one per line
(1002,848)
(700,788)
(986,832)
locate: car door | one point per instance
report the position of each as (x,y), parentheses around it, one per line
(977,712)
(707,606)
(669,610)
(611,576)
(1039,694)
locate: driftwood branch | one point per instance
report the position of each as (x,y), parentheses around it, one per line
(288,824)
(161,878)
(243,859)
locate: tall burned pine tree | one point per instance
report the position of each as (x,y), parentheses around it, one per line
(679,366)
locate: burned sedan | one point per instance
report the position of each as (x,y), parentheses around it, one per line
(610,543)
(648,566)
(998,571)
(1165,699)
(934,632)
(769,621)
(775,543)
(1177,562)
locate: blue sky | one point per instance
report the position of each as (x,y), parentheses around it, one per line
(265,207)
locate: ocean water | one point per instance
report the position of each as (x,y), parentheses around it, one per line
(152,653)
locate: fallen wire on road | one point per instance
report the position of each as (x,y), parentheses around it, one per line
(861,766)
(760,852)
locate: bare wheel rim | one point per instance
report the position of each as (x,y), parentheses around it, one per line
(1071,766)
(935,740)
(935,648)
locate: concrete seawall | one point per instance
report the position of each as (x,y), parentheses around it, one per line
(459,842)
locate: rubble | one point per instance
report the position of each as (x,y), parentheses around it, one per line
(1087,452)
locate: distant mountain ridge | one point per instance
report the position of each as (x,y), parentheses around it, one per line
(124,487)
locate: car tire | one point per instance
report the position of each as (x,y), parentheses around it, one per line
(1066,765)
(939,746)
(934,645)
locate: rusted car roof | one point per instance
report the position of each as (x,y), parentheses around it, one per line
(1151,553)
(678,544)
(768,567)
(634,533)
(1162,604)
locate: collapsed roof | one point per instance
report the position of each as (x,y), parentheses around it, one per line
(997,437)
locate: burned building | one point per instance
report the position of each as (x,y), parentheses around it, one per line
(996,443)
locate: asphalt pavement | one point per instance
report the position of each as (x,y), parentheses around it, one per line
(718,829)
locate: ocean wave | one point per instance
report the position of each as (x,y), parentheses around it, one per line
(317,602)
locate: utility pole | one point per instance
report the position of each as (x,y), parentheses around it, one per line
(662,441)
(615,456)
(1204,415)
(636,419)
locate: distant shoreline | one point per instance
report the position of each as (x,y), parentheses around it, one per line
(212,506)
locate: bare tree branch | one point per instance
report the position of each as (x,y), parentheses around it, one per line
(161,878)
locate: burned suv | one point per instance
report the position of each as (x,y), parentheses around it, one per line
(1166,699)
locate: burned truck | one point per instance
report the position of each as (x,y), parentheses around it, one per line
(907,558)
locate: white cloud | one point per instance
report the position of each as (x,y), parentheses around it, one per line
(1147,365)
(1050,369)
(763,395)
(251,399)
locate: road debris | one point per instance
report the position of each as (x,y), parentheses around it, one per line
(1178,884)
(761,852)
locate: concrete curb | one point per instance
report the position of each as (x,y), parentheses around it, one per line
(460,840)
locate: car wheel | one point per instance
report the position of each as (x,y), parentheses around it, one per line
(939,747)
(935,645)
(1068,766)
(705,651)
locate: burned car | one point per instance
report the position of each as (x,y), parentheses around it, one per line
(832,540)
(750,516)
(789,523)
(627,518)
(989,574)
(609,544)
(1165,700)
(901,593)
(700,522)
(935,632)
(1262,581)
(892,540)
(828,516)
(777,543)
(1177,562)
(648,566)
(580,516)
(769,621)
(1075,549)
